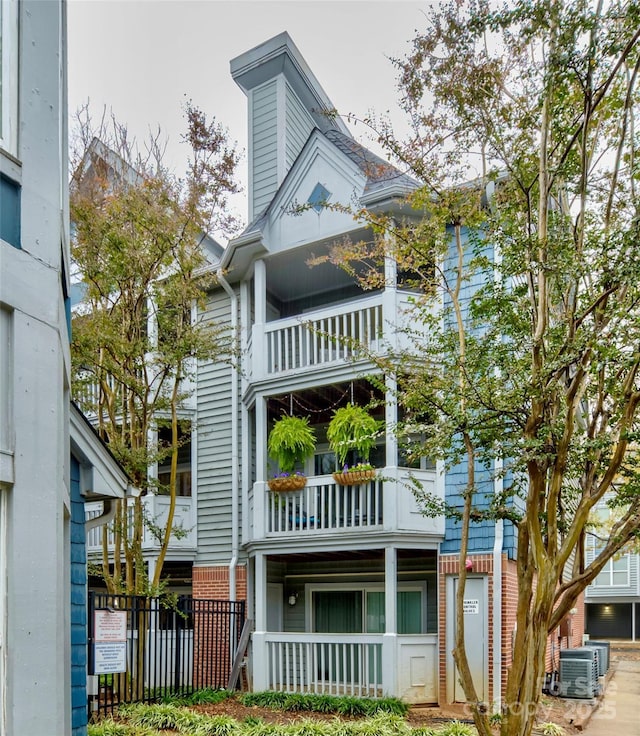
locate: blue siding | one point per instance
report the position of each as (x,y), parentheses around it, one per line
(481,534)
(78,608)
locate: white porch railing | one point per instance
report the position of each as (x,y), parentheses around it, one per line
(335,664)
(324,507)
(347,664)
(317,338)
(325,336)
(156,509)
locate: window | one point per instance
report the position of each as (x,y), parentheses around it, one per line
(9,211)
(358,611)
(615,572)
(9,75)
(183,479)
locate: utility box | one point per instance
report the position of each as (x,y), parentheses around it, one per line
(564,630)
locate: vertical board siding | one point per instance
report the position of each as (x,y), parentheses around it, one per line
(264,145)
(214,448)
(299,126)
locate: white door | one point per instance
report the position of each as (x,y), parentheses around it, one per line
(476,636)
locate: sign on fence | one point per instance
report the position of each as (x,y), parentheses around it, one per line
(109,641)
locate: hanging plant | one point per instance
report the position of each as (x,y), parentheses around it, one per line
(291,441)
(352,428)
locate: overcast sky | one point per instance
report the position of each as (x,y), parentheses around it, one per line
(144,58)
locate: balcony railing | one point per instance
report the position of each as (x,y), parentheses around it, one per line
(155,510)
(347,664)
(326,336)
(330,664)
(325,507)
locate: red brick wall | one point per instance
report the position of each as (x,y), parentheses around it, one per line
(556,642)
(212,664)
(482,564)
(213,582)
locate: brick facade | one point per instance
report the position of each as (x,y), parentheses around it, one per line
(212,582)
(483,565)
(212,665)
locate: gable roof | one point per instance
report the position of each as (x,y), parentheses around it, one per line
(379,173)
(382,178)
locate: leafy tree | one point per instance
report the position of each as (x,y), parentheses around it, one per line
(140,246)
(524,136)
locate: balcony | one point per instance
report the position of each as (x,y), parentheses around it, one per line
(155,509)
(325,508)
(324,337)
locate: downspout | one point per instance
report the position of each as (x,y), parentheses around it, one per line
(235,479)
(107,515)
(497,597)
(108,510)
(498,539)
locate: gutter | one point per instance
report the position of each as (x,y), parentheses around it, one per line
(497,597)
(235,479)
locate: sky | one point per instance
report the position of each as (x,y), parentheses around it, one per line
(143,59)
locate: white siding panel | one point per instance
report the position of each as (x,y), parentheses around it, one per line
(299,127)
(264,145)
(214,449)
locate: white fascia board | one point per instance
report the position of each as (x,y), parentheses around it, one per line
(101,474)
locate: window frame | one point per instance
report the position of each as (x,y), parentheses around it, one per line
(364,588)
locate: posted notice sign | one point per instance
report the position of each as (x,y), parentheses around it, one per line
(110,641)
(471,605)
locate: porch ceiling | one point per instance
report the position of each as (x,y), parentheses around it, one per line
(290,277)
(320,401)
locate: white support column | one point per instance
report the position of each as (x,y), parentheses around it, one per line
(390,638)
(258,347)
(391,422)
(390,298)
(245,333)
(260,653)
(261,438)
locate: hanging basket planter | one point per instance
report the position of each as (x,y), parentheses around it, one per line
(287,483)
(353,477)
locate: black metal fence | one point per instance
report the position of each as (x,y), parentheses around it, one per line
(170,647)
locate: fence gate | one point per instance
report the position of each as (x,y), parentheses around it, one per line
(171,647)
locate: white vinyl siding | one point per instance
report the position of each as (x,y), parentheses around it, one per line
(299,127)
(9,75)
(619,577)
(264,142)
(214,449)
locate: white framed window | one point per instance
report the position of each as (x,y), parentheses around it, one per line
(614,573)
(9,76)
(348,608)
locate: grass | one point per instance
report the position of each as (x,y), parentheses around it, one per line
(384,717)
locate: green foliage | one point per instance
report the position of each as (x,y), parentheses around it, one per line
(339,704)
(523,363)
(457,728)
(138,234)
(352,428)
(109,727)
(291,441)
(199,697)
(550,729)
(153,720)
